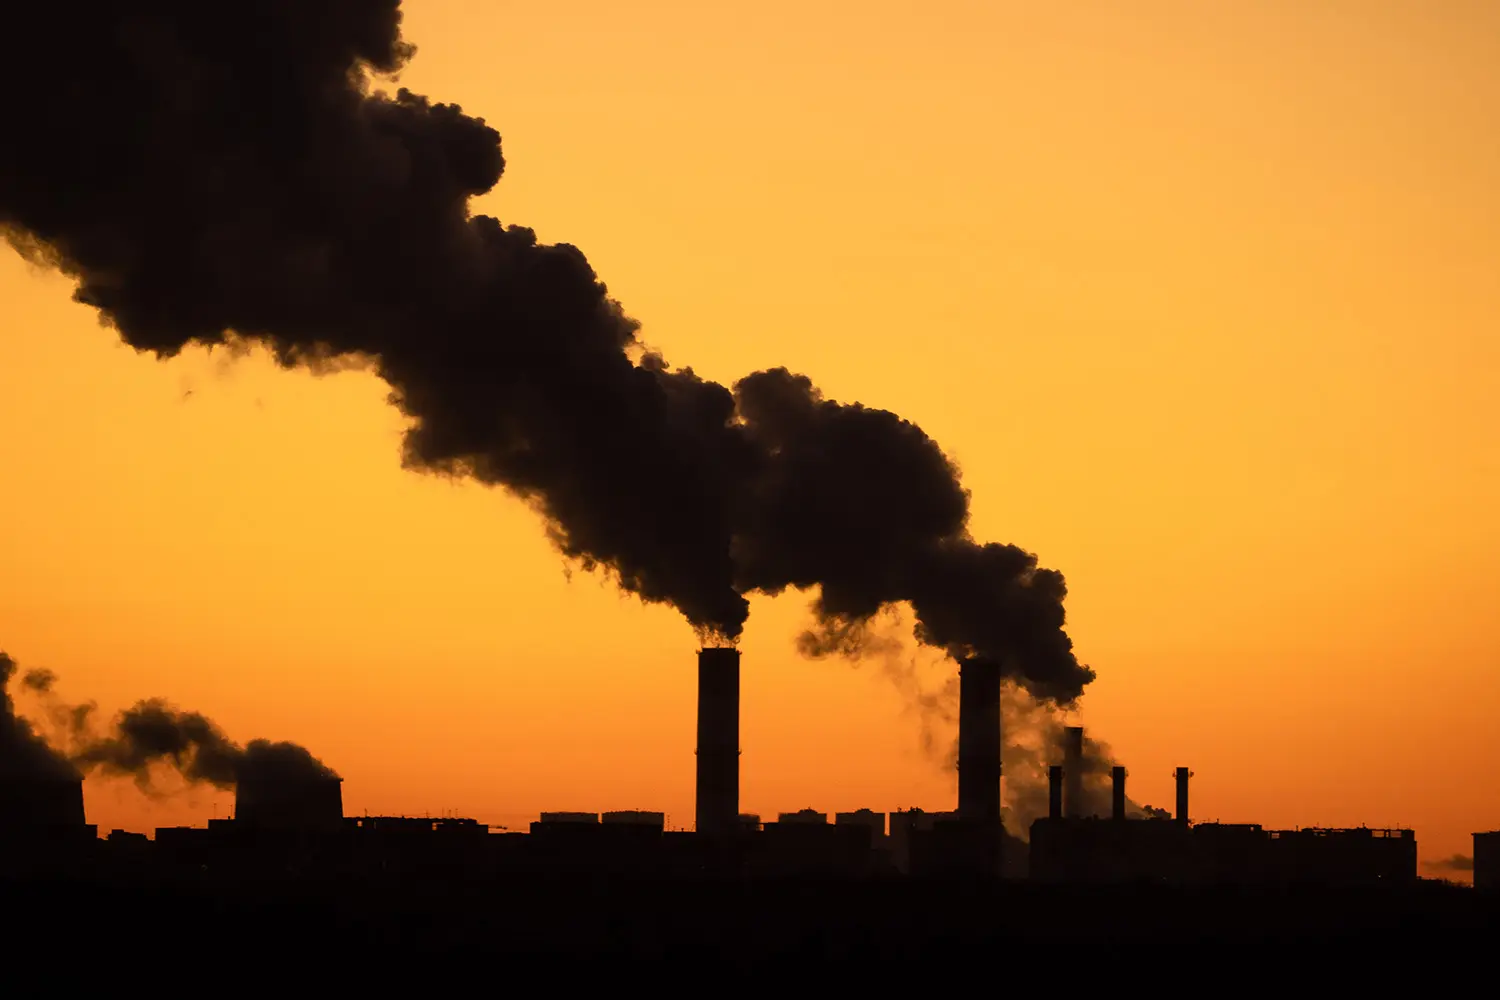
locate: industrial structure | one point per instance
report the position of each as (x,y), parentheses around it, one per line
(278,802)
(1071,848)
(718,785)
(41,803)
(1487,860)
(979,742)
(283,820)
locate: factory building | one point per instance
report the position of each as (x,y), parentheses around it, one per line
(906,826)
(866,817)
(1487,860)
(803,816)
(805,843)
(1087,849)
(654,820)
(564,821)
(298,820)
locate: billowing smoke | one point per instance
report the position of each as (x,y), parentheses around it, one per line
(1033,731)
(215,175)
(1032,725)
(145,738)
(24,753)
(155,733)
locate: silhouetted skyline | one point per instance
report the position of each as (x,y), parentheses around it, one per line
(217,233)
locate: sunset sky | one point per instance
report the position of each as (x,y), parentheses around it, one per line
(1202,298)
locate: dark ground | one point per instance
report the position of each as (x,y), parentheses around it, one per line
(580,926)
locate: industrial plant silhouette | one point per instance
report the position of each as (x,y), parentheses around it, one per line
(290,844)
(352,242)
(300,810)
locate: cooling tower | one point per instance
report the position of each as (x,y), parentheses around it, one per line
(1073,771)
(979,741)
(281,803)
(29,802)
(718,806)
(1055,791)
(1118,788)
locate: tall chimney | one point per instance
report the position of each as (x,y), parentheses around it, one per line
(1073,771)
(979,740)
(1118,774)
(1183,774)
(718,803)
(1055,791)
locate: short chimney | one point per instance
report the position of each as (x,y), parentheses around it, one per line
(1073,772)
(1183,774)
(1055,791)
(718,799)
(1118,776)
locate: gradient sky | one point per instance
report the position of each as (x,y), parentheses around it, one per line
(1203,298)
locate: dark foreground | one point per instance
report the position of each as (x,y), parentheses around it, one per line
(793,927)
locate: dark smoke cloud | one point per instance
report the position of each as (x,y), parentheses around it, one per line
(223,176)
(23,751)
(141,739)
(1457,863)
(39,680)
(154,733)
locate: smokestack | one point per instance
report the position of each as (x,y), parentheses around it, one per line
(979,740)
(1118,774)
(1183,774)
(1055,791)
(1073,771)
(718,741)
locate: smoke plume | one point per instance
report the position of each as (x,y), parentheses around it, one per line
(24,753)
(1457,863)
(1032,726)
(142,739)
(154,733)
(1033,731)
(214,176)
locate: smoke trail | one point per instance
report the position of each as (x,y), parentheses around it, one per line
(23,751)
(151,734)
(222,176)
(1032,727)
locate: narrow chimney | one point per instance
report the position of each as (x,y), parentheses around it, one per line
(1073,771)
(718,806)
(979,740)
(1055,791)
(1118,774)
(1183,774)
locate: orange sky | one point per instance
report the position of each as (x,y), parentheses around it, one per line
(1202,298)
